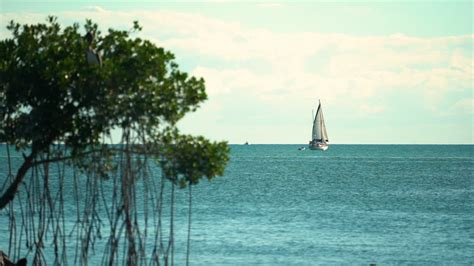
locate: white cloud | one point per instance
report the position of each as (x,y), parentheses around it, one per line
(363,65)
(223,81)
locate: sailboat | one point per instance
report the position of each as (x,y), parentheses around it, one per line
(319,136)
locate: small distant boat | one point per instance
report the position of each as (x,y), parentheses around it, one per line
(301,148)
(319,140)
(246,143)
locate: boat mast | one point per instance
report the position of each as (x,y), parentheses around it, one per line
(312,123)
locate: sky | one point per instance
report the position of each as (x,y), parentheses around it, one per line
(386,72)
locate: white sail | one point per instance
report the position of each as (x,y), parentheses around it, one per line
(319,127)
(324,133)
(319,135)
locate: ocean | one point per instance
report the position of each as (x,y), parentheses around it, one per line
(351,204)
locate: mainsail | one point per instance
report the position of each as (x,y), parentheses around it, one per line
(319,128)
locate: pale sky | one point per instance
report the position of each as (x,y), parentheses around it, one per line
(386,72)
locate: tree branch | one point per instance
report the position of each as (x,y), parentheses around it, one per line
(13,188)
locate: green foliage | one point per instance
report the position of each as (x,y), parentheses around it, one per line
(50,94)
(191,158)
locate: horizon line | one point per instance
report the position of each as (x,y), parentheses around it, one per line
(355,144)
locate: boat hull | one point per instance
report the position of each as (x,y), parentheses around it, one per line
(321,147)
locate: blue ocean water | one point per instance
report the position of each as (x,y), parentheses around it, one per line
(352,204)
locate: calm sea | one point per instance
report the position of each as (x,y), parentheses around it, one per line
(352,204)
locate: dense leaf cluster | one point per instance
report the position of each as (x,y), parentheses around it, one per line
(50,94)
(191,158)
